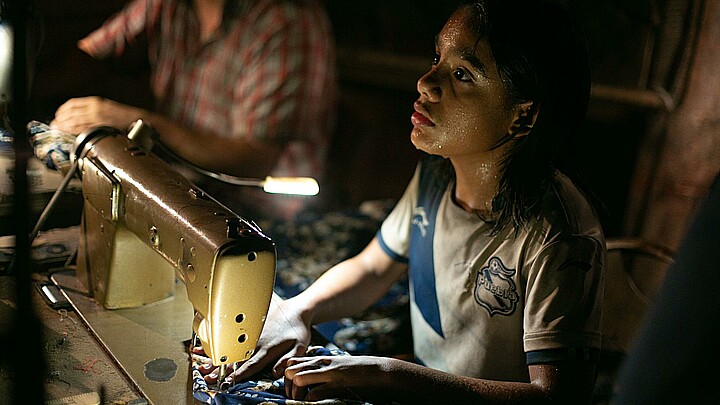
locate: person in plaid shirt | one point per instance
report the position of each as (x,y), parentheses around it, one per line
(245,88)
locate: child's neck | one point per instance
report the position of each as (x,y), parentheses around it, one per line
(476,186)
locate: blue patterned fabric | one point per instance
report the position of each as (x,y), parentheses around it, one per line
(265,390)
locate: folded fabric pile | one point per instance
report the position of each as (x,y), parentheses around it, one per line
(52,146)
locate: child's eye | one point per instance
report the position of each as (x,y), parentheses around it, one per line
(462,75)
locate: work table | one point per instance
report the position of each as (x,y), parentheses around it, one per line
(76,363)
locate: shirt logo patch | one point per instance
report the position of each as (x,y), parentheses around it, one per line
(495,289)
(420,220)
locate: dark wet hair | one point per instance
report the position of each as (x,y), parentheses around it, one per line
(541,54)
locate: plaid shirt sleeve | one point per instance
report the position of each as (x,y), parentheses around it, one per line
(288,85)
(121,30)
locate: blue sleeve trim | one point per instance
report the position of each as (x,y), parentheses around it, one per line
(388,251)
(560,355)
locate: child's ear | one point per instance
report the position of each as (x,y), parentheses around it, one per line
(524,117)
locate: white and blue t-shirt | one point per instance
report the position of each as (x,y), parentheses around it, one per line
(487,306)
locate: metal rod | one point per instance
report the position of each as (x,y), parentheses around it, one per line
(53,201)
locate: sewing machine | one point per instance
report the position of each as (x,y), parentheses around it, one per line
(143,225)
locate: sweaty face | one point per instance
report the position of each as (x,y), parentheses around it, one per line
(463,109)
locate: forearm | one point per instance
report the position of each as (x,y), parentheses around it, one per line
(385,380)
(566,383)
(412,383)
(350,287)
(230,155)
(342,291)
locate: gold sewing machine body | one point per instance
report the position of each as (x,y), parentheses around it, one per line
(144,224)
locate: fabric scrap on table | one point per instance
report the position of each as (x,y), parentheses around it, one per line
(52,146)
